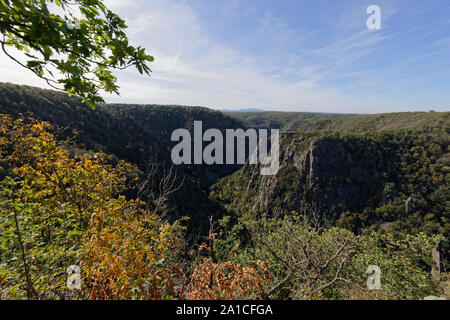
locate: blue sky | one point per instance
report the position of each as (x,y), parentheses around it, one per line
(287,55)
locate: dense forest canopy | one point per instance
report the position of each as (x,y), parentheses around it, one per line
(138,134)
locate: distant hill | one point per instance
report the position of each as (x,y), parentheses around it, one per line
(242,110)
(305,121)
(280,120)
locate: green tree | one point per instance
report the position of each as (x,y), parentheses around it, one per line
(306,260)
(82,51)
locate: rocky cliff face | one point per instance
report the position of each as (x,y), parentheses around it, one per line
(346,176)
(395,179)
(322,170)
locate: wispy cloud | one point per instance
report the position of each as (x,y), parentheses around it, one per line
(330,64)
(195,69)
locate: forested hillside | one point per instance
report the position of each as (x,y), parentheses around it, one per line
(282,120)
(96,188)
(396,179)
(137,134)
(132,132)
(307,121)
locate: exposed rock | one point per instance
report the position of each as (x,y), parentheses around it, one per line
(389,193)
(434,298)
(436,270)
(333,174)
(409,206)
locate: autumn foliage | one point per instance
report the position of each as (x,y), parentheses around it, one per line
(61,206)
(226,281)
(59,210)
